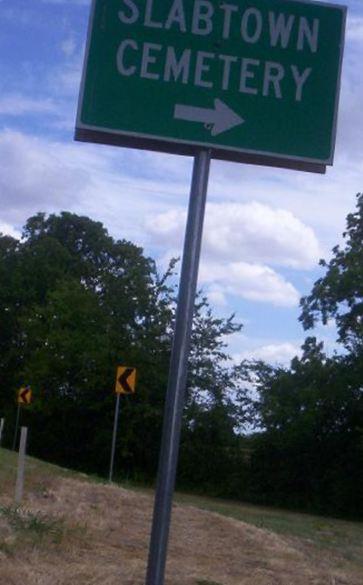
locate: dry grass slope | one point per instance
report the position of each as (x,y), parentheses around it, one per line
(73,531)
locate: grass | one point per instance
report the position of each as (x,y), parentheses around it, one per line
(207,582)
(36,526)
(331,534)
(339,538)
(8,463)
(325,533)
(20,526)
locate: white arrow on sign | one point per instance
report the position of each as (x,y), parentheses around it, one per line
(221,117)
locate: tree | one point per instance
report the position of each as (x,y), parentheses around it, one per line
(311,448)
(339,294)
(8,315)
(211,458)
(310,451)
(74,303)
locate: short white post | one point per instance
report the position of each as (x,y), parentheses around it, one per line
(21,464)
(2,420)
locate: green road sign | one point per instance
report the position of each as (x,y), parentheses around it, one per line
(254,80)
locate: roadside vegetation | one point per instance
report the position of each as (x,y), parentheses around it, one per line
(74,303)
(75,528)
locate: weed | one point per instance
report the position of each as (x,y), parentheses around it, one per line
(32,524)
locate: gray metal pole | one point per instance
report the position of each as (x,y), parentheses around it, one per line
(16,427)
(178,371)
(114,435)
(19,488)
(2,421)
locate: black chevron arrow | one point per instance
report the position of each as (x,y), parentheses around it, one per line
(123,380)
(24,395)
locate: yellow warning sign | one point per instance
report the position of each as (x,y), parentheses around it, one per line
(25,395)
(125,380)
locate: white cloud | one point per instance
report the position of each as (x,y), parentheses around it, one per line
(252,231)
(273,353)
(65,80)
(318,201)
(8,230)
(37,174)
(241,242)
(254,282)
(216,296)
(354,28)
(68,47)
(72,2)
(17,105)
(40,175)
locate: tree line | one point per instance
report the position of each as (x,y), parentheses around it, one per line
(74,303)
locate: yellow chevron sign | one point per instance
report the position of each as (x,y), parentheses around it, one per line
(125,380)
(25,395)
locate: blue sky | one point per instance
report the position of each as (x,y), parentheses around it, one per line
(276,223)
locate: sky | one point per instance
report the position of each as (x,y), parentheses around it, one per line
(265,229)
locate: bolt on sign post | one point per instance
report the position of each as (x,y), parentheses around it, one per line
(125,384)
(255,82)
(24,398)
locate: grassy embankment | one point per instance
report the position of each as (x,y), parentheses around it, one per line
(74,528)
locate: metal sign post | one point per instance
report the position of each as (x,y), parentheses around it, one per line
(16,427)
(114,435)
(125,384)
(2,422)
(255,82)
(19,488)
(178,371)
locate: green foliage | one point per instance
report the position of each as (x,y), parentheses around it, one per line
(211,458)
(311,451)
(30,525)
(339,294)
(74,303)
